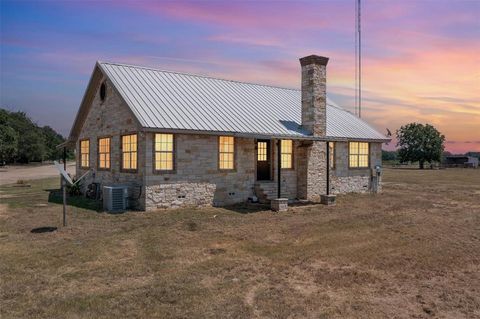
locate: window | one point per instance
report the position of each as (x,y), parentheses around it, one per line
(287,151)
(129,152)
(331,152)
(358,154)
(262,151)
(226,152)
(85,153)
(163,152)
(104,153)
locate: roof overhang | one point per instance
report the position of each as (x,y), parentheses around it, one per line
(67,144)
(264,135)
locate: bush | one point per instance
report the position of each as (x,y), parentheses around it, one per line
(75,189)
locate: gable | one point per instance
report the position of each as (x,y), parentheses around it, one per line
(114,108)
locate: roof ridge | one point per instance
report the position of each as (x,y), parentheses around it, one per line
(195,75)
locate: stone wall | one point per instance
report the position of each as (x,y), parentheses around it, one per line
(174,195)
(349,184)
(288,176)
(347,180)
(196,170)
(312,165)
(112,118)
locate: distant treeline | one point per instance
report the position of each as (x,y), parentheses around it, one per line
(393,155)
(23,141)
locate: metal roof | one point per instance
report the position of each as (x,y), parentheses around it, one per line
(178,101)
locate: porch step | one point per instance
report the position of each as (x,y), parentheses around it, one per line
(266,191)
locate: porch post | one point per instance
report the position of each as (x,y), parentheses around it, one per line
(328,168)
(279,168)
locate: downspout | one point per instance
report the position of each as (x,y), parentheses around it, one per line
(328,168)
(279,169)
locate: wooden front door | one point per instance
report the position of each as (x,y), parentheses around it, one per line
(263,160)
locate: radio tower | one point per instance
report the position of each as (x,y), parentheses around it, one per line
(358,59)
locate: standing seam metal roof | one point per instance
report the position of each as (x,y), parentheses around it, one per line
(170,100)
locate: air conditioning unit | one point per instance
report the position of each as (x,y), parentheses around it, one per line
(115,198)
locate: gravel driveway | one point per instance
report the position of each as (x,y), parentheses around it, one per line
(11,174)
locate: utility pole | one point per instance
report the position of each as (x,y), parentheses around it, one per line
(359,59)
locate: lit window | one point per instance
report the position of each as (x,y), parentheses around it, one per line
(331,152)
(262,151)
(163,152)
(358,154)
(129,152)
(85,153)
(226,152)
(104,153)
(287,151)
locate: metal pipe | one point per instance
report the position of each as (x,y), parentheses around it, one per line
(279,168)
(328,168)
(64,186)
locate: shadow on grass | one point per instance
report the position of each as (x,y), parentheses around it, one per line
(41,230)
(247,208)
(56,196)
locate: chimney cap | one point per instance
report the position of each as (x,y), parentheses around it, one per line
(313,59)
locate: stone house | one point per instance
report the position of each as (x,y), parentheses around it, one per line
(187,140)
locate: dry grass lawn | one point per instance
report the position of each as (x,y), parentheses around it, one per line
(412,251)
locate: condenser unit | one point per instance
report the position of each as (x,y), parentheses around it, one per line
(115,198)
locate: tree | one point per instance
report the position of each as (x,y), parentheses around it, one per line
(22,140)
(389,155)
(8,144)
(52,139)
(418,142)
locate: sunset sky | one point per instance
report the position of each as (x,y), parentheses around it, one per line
(421,58)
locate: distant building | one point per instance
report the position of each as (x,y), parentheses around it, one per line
(460,161)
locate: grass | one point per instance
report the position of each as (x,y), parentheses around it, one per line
(411,251)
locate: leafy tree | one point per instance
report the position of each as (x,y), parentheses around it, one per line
(8,144)
(389,155)
(23,140)
(418,142)
(52,139)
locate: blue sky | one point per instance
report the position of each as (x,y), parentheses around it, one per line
(421,58)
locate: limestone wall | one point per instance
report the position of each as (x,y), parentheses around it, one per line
(112,118)
(347,180)
(311,176)
(197,180)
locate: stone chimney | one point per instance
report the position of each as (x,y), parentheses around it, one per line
(314,94)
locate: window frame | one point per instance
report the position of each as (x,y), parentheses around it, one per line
(358,156)
(292,166)
(81,154)
(109,153)
(234,154)
(122,169)
(174,151)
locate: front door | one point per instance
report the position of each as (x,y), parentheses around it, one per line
(263,160)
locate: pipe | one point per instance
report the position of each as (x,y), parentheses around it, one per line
(328,168)
(279,168)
